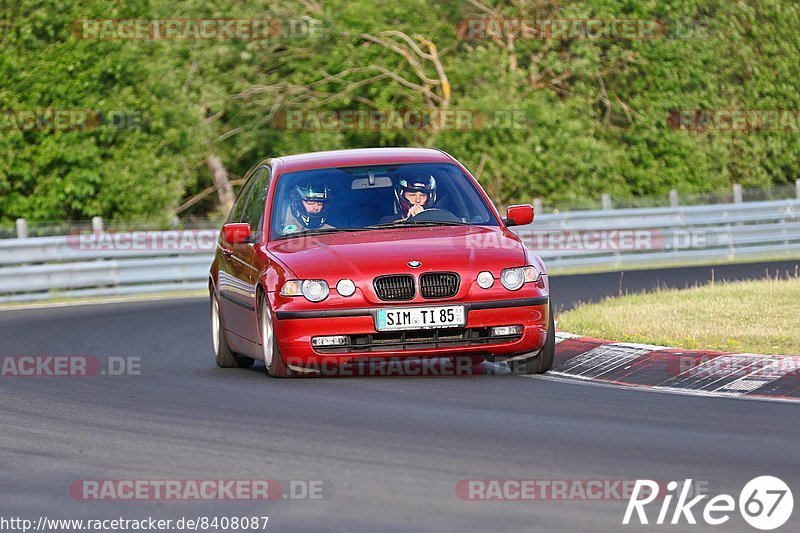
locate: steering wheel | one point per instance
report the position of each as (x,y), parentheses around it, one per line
(434,214)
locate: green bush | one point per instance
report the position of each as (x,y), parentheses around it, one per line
(595,112)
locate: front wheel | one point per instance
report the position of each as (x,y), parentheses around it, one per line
(542,362)
(222,352)
(276,367)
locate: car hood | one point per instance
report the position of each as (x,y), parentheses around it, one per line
(365,254)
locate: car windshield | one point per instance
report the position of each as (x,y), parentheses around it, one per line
(357,198)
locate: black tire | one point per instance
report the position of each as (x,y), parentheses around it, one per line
(543,361)
(275,365)
(222,353)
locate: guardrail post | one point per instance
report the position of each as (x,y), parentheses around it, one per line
(538,208)
(797,187)
(737,193)
(22,228)
(97,224)
(606,200)
(673,198)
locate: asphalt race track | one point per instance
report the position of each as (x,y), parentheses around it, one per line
(570,290)
(390,450)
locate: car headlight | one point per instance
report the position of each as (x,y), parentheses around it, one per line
(514,278)
(532,274)
(485,280)
(292,288)
(346,287)
(314,290)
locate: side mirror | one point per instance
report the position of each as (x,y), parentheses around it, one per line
(236,233)
(519,215)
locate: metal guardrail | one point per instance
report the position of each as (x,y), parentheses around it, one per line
(105,263)
(663,236)
(102,264)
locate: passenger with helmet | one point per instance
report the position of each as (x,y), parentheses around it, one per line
(309,209)
(414,195)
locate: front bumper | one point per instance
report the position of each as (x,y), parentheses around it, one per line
(294,330)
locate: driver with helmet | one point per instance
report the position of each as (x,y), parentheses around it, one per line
(414,195)
(310,206)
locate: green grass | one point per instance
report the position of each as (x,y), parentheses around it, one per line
(747,316)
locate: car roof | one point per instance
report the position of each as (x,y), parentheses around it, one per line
(360,157)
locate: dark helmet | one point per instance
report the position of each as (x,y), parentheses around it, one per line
(316,191)
(404,185)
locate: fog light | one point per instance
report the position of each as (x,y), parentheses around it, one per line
(485,280)
(504,331)
(333,340)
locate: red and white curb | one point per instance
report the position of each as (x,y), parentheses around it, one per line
(676,370)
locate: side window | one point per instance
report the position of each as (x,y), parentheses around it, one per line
(239,205)
(254,206)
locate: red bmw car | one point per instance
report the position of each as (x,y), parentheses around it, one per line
(331,259)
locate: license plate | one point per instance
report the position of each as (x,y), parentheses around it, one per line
(420,318)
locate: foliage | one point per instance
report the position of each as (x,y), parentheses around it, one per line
(595,111)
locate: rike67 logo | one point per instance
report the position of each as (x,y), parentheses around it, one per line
(765,503)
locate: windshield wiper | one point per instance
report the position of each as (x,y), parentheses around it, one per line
(319,231)
(387,224)
(395,224)
(405,223)
(438,223)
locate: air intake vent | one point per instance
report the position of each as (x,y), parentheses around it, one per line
(438,284)
(396,287)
